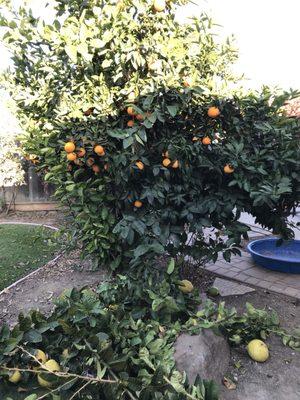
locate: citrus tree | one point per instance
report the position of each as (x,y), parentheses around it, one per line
(126,111)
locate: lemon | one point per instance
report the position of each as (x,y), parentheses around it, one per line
(186,286)
(213,291)
(258,350)
(41,356)
(15,377)
(52,366)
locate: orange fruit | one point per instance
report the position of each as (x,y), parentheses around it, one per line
(175,164)
(130,123)
(71,156)
(166,162)
(140,117)
(228,169)
(96,168)
(69,147)
(159,5)
(213,112)
(206,140)
(138,204)
(130,111)
(90,161)
(140,165)
(81,152)
(99,150)
(187,81)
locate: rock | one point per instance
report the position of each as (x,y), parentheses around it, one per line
(206,354)
(230,288)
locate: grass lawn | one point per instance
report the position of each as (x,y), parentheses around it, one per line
(23,248)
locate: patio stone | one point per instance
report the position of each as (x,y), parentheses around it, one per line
(230,288)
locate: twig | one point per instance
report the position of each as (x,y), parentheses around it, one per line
(55,390)
(79,390)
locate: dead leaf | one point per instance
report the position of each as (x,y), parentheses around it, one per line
(228,383)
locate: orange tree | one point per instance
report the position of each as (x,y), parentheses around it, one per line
(125,109)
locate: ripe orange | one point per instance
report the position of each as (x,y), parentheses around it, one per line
(130,111)
(130,123)
(159,5)
(166,162)
(206,140)
(187,81)
(96,168)
(99,150)
(90,161)
(69,147)
(228,169)
(213,112)
(81,152)
(175,164)
(140,165)
(138,204)
(140,117)
(71,156)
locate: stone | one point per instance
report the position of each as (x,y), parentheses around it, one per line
(206,355)
(230,288)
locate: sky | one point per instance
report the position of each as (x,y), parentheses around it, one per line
(267,36)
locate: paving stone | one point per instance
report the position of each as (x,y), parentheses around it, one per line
(229,288)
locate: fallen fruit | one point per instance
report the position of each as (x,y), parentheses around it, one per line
(69,147)
(213,291)
(258,350)
(186,286)
(15,377)
(213,112)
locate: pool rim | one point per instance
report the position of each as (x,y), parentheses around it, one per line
(272,258)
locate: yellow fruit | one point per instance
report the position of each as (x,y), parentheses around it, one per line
(138,204)
(65,353)
(166,162)
(186,286)
(258,350)
(51,366)
(140,165)
(69,147)
(71,156)
(15,377)
(41,356)
(213,112)
(99,150)
(159,5)
(175,164)
(206,140)
(228,169)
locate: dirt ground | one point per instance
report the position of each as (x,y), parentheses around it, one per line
(279,377)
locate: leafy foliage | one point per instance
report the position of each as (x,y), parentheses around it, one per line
(74,80)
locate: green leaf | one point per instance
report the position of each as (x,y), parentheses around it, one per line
(173,110)
(71,51)
(171,266)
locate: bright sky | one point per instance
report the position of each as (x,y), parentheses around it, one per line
(267,34)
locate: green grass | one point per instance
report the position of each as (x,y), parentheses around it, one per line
(23,248)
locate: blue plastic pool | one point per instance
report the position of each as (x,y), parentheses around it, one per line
(283,258)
